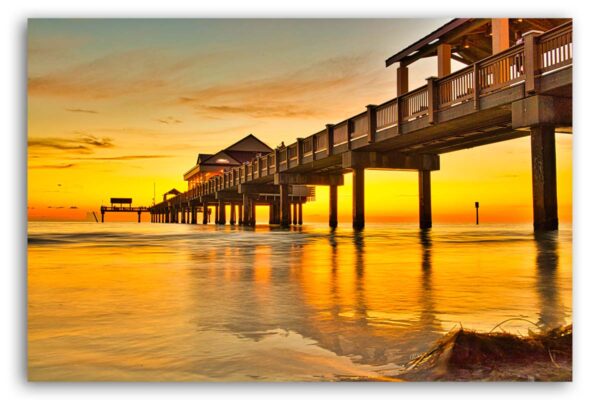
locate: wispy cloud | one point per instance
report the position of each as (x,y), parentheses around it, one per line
(119,74)
(169,120)
(81,110)
(84,144)
(124,158)
(308,92)
(52,166)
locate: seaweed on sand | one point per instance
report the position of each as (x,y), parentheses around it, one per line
(464,355)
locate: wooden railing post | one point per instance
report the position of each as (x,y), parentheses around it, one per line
(300,151)
(476,84)
(399,112)
(531,62)
(349,129)
(371,122)
(329,128)
(432,96)
(276,160)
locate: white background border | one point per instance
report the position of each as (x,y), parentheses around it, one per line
(13,215)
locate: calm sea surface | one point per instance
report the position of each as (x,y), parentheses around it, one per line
(166,302)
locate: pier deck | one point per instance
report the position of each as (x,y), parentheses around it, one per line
(523,90)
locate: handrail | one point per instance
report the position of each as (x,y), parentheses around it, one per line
(551,51)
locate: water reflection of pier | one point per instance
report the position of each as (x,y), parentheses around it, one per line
(551,309)
(327,292)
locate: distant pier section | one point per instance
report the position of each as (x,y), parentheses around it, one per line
(123,204)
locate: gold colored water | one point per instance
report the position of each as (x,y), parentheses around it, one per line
(168,302)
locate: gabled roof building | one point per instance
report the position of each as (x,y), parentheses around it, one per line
(208,165)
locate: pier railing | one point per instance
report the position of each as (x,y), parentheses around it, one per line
(520,64)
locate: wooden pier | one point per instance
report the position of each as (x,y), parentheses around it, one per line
(123,205)
(521,90)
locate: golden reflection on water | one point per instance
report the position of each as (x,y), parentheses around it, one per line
(180,302)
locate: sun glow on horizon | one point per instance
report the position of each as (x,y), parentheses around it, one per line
(117,108)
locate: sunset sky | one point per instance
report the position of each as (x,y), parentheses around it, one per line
(118,106)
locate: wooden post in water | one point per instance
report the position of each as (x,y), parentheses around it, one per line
(271,213)
(246,213)
(222,213)
(294,214)
(333,206)
(358,198)
(476,213)
(204,213)
(543,163)
(231,213)
(284,201)
(300,213)
(425,220)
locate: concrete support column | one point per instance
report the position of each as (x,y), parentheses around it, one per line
(139,217)
(425,199)
(204,213)
(276,212)
(231,214)
(194,215)
(333,206)
(543,168)
(294,214)
(183,215)
(271,213)
(247,209)
(358,198)
(240,215)
(252,212)
(300,214)
(284,202)
(217,214)
(222,213)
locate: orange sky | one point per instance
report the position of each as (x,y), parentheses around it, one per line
(118,106)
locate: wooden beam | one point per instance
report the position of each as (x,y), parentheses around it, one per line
(307,179)
(542,110)
(444,53)
(402,79)
(392,160)
(500,35)
(258,188)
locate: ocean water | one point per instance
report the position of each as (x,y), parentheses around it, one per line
(174,302)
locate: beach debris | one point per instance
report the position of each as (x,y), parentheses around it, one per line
(465,355)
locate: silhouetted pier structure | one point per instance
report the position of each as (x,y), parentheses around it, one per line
(123,204)
(517,82)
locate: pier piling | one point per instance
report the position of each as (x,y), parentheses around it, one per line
(358,198)
(425,220)
(543,160)
(333,206)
